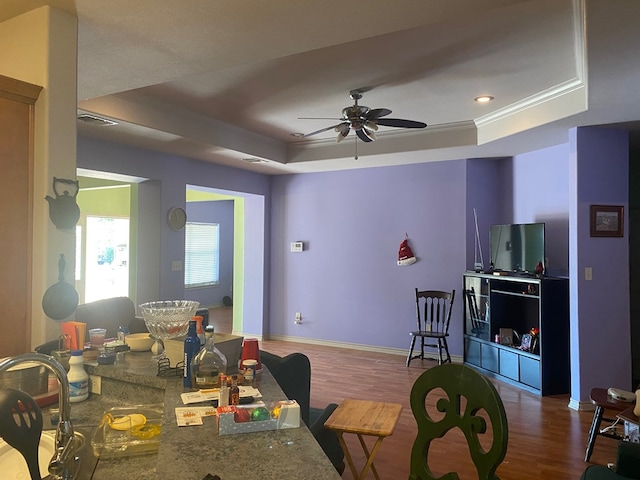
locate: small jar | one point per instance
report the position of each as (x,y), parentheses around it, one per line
(249,366)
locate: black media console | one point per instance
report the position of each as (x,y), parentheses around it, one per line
(509,307)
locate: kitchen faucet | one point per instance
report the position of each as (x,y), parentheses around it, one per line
(64,464)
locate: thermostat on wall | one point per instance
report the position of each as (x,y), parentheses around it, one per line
(296,246)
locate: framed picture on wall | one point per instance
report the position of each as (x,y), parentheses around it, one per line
(607,221)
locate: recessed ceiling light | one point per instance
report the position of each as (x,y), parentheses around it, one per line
(483,99)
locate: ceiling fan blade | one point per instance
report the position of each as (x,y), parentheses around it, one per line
(362,135)
(377,113)
(319,118)
(399,122)
(323,130)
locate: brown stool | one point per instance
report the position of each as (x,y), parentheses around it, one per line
(603,401)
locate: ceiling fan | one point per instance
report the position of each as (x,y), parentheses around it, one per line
(364,121)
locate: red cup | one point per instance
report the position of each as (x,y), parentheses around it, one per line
(251,351)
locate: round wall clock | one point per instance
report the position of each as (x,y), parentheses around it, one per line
(176,218)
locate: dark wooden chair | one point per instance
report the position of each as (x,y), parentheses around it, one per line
(433,313)
(474,312)
(471,404)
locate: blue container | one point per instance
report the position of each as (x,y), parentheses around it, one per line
(191,348)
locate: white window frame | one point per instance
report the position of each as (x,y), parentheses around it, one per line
(201,254)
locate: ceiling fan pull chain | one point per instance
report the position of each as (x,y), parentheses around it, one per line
(355,140)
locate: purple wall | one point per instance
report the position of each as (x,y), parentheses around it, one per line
(528,188)
(484,191)
(170,175)
(346,282)
(600,319)
(220,212)
(540,183)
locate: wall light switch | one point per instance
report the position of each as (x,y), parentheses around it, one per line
(588,273)
(176,266)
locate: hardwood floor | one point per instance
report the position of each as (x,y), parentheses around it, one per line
(547,440)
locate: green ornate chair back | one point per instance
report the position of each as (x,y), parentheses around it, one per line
(458,381)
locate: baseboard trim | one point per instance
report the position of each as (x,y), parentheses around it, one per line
(353,346)
(581,406)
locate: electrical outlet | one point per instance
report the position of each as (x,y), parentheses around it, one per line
(95,384)
(298,319)
(176,266)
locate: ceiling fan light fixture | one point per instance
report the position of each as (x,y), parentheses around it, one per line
(484,99)
(370,133)
(371,126)
(343,128)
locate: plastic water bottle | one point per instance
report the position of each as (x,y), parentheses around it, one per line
(78,378)
(123,331)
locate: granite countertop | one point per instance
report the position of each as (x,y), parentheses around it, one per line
(190,453)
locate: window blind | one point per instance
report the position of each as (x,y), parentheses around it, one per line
(202,254)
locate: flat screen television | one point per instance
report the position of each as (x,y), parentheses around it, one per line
(517,247)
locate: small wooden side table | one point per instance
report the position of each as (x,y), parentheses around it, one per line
(364,417)
(602,401)
(628,415)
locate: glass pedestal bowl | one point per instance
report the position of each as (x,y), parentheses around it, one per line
(168,319)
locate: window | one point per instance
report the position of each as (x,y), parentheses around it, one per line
(202,254)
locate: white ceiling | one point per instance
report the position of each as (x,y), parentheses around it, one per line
(222,81)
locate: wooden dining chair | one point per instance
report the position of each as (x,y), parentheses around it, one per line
(433,313)
(456,397)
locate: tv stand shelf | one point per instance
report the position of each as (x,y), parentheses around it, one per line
(509,307)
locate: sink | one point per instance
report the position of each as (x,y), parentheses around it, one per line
(14,467)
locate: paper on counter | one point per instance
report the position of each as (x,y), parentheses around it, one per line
(213,394)
(187,416)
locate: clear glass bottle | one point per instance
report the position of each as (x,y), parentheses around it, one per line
(208,364)
(191,348)
(78,378)
(223,397)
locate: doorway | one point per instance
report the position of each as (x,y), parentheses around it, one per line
(103,247)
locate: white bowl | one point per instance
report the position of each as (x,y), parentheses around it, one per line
(139,342)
